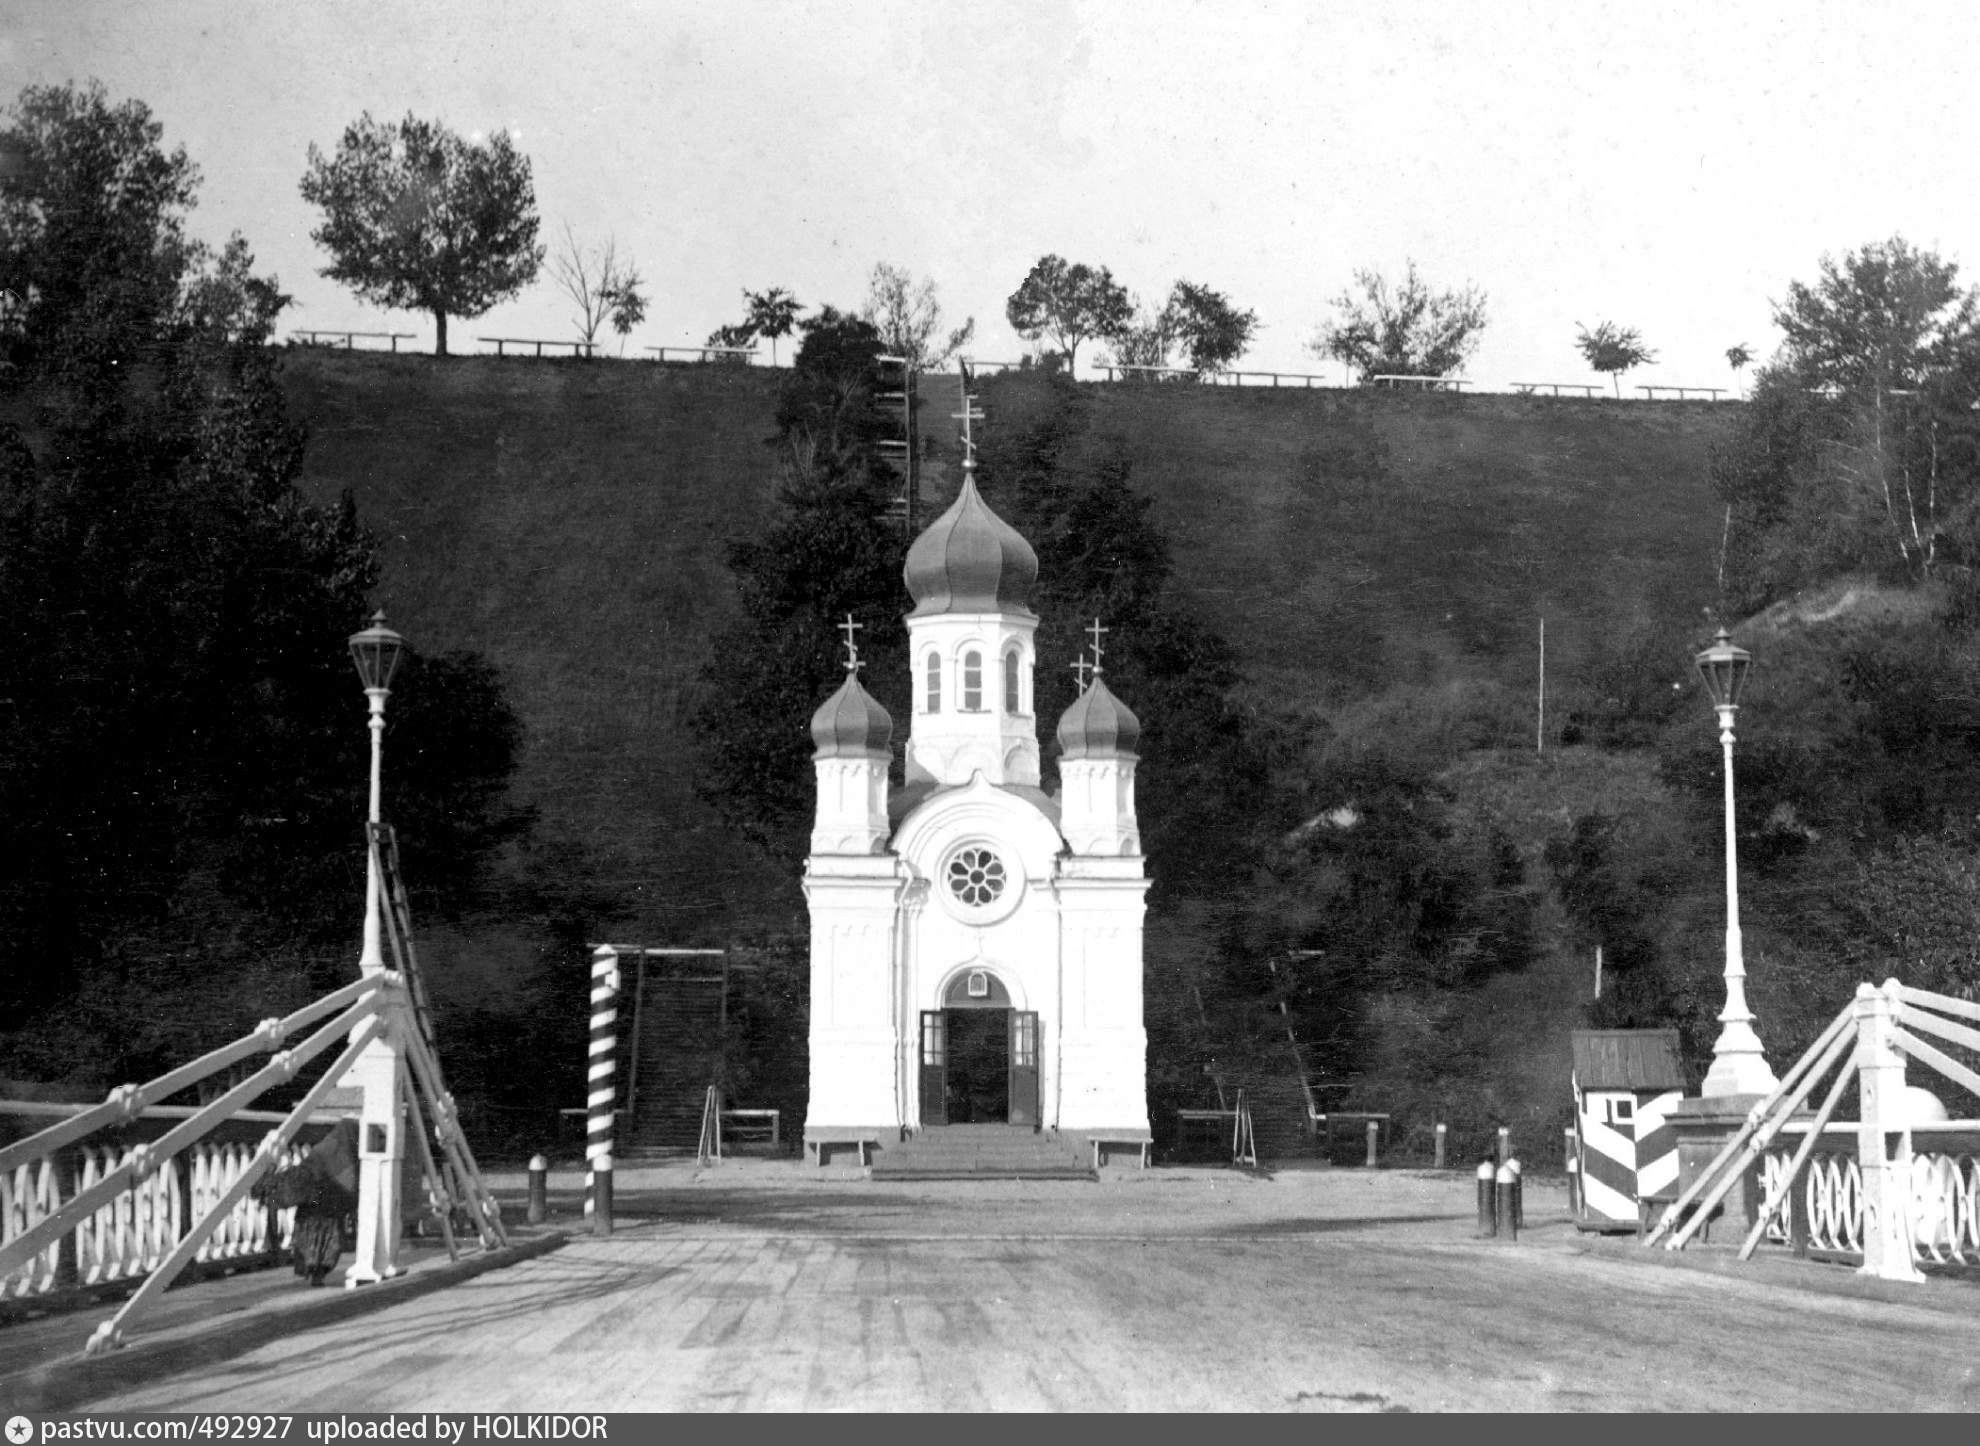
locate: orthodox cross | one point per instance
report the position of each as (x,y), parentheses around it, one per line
(1097,632)
(849,627)
(968,414)
(1081,667)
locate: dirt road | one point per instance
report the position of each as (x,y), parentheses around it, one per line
(1325,1291)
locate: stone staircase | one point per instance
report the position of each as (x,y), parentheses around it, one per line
(984,1152)
(679,1054)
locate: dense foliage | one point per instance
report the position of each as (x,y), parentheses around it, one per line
(1409,328)
(183,789)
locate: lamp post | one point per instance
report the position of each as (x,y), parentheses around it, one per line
(376,652)
(1739,1065)
(379,1070)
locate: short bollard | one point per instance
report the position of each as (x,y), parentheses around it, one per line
(1488,1212)
(1505,1184)
(601,1197)
(1505,1144)
(1374,1141)
(1518,1194)
(1442,1130)
(539,1190)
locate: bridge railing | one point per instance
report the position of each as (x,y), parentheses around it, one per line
(133,1232)
(1907,1192)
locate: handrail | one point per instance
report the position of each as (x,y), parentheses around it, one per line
(144,1159)
(126,1102)
(160,1279)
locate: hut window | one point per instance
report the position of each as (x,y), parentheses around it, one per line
(1011,701)
(972,687)
(934,700)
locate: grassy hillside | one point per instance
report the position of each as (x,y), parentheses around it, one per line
(569,520)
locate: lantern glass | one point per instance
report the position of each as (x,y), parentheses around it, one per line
(376,652)
(1724,668)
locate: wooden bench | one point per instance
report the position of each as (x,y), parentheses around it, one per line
(1427,384)
(1103,1143)
(578,348)
(735,354)
(1650,392)
(1527,389)
(857,1142)
(309,336)
(760,1127)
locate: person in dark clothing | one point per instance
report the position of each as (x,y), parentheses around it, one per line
(322,1188)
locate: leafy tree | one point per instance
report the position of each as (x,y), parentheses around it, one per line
(1884,316)
(908,317)
(1613,349)
(1860,447)
(1143,341)
(1212,331)
(416,217)
(1068,302)
(772,313)
(184,787)
(600,284)
(829,552)
(740,334)
(1410,329)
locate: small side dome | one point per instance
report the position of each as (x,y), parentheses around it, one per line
(970,560)
(852,725)
(1098,725)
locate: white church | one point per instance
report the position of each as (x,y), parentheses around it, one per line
(975,941)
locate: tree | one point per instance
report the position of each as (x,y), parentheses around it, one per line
(1068,302)
(1613,349)
(1738,358)
(908,317)
(1211,330)
(601,285)
(418,218)
(183,790)
(1406,330)
(772,313)
(1882,317)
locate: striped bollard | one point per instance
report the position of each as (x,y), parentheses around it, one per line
(1505,1183)
(600,1088)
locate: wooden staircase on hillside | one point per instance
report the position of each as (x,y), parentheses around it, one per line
(675,1044)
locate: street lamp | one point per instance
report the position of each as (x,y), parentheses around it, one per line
(376,652)
(1739,1065)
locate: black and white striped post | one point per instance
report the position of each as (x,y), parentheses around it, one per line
(601,1087)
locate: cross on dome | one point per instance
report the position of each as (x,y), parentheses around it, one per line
(968,414)
(1080,667)
(1097,631)
(849,627)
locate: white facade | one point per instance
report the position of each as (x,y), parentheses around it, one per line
(975,881)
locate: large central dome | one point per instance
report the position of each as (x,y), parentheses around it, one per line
(970,560)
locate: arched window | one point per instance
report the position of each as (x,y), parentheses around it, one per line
(934,703)
(1012,702)
(972,701)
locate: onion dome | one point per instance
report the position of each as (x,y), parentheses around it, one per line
(970,560)
(852,725)
(1098,725)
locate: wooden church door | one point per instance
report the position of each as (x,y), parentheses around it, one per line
(934,1072)
(1024,1068)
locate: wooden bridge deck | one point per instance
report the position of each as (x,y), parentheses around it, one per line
(760,1289)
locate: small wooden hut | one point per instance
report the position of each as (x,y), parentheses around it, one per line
(1626,1081)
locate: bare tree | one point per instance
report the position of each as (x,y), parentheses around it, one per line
(602,286)
(908,317)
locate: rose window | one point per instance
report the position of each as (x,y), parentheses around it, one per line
(976,877)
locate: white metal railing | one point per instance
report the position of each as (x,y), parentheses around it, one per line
(1942,1205)
(1906,1193)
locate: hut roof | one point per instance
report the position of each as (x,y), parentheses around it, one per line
(1627,1059)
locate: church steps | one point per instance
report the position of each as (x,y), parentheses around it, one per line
(975,1152)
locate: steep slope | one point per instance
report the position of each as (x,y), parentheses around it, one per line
(569,519)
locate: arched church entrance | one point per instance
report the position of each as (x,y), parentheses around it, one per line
(979,1056)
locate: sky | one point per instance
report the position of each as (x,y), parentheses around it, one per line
(1668,167)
